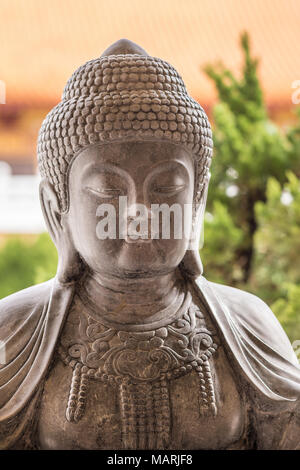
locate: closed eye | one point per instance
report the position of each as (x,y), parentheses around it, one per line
(169,190)
(106,193)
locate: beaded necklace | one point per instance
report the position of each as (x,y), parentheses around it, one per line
(141,364)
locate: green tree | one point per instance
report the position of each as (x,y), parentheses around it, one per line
(252,229)
(287,310)
(219,256)
(24,263)
(249,148)
(276,273)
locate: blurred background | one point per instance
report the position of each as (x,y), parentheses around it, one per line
(239,58)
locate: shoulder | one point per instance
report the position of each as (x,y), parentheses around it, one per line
(251,312)
(15,308)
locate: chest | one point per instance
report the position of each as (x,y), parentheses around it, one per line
(176,416)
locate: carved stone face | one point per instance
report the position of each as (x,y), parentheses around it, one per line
(146,173)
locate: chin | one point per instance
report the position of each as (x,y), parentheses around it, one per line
(137,273)
(143,271)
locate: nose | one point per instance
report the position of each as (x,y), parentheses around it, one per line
(140,209)
(137,202)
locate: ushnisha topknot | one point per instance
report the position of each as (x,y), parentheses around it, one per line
(123,95)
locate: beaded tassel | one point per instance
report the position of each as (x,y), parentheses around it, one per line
(129,437)
(145,415)
(150,410)
(77,397)
(162,413)
(207,394)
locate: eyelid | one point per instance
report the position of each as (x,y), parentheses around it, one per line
(175,188)
(106,193)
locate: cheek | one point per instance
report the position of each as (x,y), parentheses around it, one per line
(85,221)
(83,218)
(181,219)
(173,250)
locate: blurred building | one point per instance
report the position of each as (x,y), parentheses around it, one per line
(19,202)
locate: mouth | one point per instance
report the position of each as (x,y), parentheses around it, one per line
(140,240)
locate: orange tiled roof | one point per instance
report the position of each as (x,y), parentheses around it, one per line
(42,42)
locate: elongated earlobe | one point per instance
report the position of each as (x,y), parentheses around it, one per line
(70,265)
(191,264)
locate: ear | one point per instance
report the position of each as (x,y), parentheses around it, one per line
(51,211)
(191,263)
(70,266)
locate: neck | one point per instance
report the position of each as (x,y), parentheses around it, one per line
(129,301)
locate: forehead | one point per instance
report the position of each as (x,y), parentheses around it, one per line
(133,157)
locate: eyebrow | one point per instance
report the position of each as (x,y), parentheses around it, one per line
(91,169)
(167,164)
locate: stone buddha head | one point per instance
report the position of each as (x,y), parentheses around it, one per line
(125,132)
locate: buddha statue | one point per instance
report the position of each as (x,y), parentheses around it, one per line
(129,346)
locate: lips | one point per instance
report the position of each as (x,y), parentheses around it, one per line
(140,237)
